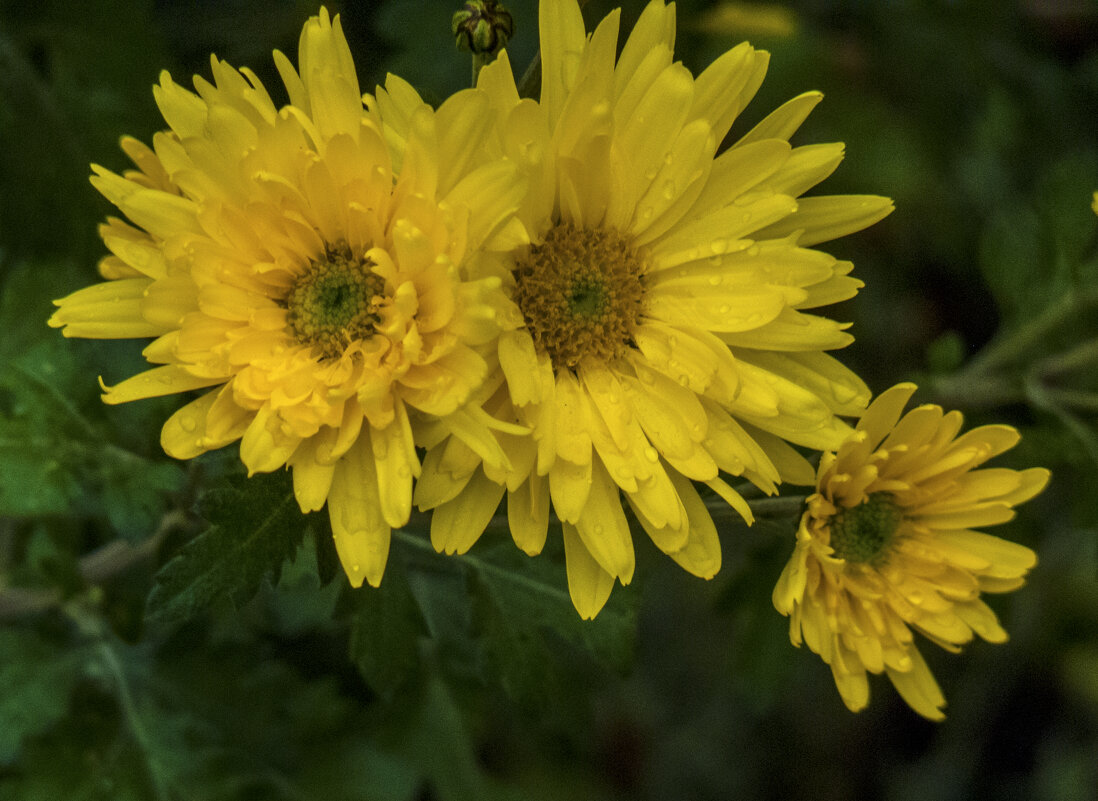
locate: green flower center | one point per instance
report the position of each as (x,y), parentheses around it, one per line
(334,302)
(580,292)
(863,533)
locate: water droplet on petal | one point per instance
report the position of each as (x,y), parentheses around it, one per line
(651,454)
(188,424)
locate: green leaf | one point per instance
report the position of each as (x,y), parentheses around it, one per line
(525,612)
(385,631)
(255,527)
(37,677)
(1016,263)
(1064,195)
(503,614)
(57,454)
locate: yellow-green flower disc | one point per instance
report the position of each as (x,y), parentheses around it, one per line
(887,547)
(321,299)
(667,295)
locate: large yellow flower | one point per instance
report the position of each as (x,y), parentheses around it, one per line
(886,546)
(665,297)
(275,258)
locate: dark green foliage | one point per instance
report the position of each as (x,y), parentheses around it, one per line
(57,457)
(385,629)
(38,677)
(255,525)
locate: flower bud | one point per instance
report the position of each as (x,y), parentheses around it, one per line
(482,26)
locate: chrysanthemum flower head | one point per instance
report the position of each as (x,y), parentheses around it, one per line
(887,547)
(666,295)
(319,301)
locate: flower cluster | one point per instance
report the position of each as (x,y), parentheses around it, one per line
(587,302)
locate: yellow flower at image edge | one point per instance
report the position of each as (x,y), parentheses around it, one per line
(275,260)
(667,296)
(887,547)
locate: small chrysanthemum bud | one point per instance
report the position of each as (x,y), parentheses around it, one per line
(482,26)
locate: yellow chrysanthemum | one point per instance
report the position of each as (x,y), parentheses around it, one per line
(664,295)
(887,546)
(275,258)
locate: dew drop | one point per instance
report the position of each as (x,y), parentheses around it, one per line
(669,190)
(724,308)
(188,424)
(719,246)
(715,280)
(684,379)
(598,529)
(651,454)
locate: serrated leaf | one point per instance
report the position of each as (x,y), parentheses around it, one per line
(385,631)
(255,526)
(37,678)
(499,612)
(57,454)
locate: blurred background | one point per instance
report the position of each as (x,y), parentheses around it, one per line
(456,680)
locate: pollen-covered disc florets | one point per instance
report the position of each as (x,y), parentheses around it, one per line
(334,302)
(580,293)
(865,532)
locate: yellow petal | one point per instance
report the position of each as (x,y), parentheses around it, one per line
(354,507)
(457,524)
(562,41)
(701,555)
(603,528)
(569,485)
(824,217)
(156,382)
(312,480)
(528,514)
(784,121)
(588,584)
(1007,559)
(108,310)
(918,687)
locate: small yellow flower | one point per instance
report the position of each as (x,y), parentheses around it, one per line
(667,296)
(277,260)
(887,546)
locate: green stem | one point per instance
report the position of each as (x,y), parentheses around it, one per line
(480,61)
(1080,399)
(1041,397)
(1082,355)
(973,390)
(133,718)
(479,564)
(1015,344)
